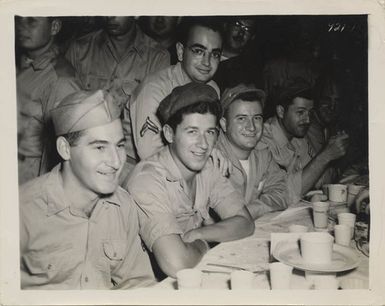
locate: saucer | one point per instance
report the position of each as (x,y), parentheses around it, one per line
(343,258)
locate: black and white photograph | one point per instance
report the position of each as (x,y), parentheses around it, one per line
(194,156)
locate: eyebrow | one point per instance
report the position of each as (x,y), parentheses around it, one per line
(104,142)
(204,47)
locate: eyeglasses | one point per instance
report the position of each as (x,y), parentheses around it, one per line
(199,52)
(239,26)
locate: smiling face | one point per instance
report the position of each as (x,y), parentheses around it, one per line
(201,54)
(192,142)
(243,126)
(295,120)
(97,157)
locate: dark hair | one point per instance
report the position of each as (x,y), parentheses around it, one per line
(200,108)
(287,99)
(211,22)
(250,96)
(73,137)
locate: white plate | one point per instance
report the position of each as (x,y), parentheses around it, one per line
(343,258)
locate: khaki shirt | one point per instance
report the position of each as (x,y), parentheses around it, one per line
(146,128)
(62,249)
(41,85)
(159,190)
(99,67)
(293,156)
(265,185)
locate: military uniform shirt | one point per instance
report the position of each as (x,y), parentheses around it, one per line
(62,249)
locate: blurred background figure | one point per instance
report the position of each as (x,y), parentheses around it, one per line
(117,57)
(162,29)
(43,79)
(241,60)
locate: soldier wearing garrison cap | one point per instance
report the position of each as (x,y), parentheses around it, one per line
(78,228)
(256,176)
(286,136)
(175,187)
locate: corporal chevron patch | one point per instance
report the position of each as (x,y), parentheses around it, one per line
(149,126)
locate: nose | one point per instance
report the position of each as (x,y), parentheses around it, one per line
(306,118)
(114,160)
(250,125)
(206,59)
(202,142)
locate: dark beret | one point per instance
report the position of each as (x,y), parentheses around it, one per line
(186,95)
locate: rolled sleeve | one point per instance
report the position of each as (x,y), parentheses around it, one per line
(156,216)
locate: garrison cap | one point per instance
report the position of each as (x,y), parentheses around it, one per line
(83,110)
(232,94)
(186,95)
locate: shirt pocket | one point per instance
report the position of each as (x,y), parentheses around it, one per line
(40,264)
(115,249)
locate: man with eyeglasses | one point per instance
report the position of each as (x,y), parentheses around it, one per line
(240,61)
(199,49)
(286,135)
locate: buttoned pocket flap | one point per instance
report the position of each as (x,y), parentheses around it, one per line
(115,249)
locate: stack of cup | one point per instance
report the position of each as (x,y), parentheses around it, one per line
(320,216)
(337,194)
(189,279)
(349,220)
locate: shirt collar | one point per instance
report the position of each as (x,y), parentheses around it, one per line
(278,133)
(139,44)
(173,172)
(43,60)
(56,200)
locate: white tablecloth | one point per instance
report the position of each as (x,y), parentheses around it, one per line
(253,253)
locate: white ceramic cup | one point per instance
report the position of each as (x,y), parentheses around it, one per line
(280,275)
(242,280)
(296,228)
(189,279)
(320,215)
(322,280)
(338,192)
(353,190)
(348,219)
(317,248)
(342,234)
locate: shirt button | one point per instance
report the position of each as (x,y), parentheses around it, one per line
(86,279)
(49,266)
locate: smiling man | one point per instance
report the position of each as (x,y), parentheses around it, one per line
(78,229)
(199,50)
(286,136)
(256,176)
(175,187)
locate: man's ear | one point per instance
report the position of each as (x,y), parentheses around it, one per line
(168,133)
(222,123)
(179,51)
(55,26)
(63,148)
(280,111)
